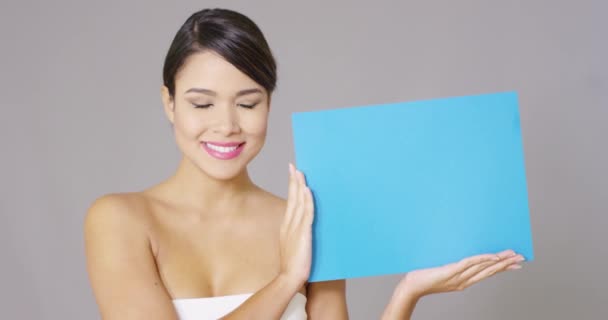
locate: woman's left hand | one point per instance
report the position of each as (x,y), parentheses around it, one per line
(457,276)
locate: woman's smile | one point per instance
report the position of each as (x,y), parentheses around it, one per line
(223,150)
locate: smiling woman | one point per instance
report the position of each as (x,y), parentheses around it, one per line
(207,242)
(216,106)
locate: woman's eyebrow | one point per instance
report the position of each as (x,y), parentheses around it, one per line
(213,93)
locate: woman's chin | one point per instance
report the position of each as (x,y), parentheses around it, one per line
(222,172)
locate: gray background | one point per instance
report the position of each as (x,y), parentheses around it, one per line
(82,117)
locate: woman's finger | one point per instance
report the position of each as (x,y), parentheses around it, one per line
(309,208)
(506,254)
(303,198)
(467,263)
(299,199)
(291,198)
(490,271)
(514,267)
(475,269)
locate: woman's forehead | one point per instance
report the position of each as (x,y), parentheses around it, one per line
(211,71)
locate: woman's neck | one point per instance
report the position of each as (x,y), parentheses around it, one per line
(192,187)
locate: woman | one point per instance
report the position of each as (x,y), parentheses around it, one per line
(209,243)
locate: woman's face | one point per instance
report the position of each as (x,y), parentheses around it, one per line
(219,115)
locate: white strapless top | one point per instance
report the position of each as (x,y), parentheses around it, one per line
(213,308)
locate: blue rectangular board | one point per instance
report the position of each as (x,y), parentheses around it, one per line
(404,186)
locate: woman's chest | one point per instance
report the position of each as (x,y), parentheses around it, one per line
(217,258)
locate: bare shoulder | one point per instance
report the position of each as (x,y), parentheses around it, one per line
(115,224)
(275,204)
(123,210)
(114,221)
(120,260)
(273,198)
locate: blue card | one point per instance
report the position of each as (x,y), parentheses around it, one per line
(412,185)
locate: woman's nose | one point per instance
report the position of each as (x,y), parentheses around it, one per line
(227,121)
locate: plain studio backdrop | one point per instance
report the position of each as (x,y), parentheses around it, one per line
(81,117)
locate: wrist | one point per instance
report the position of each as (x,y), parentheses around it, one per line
(289,282)
(401,305)
(406,294)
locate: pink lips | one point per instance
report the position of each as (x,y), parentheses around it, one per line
(224,155)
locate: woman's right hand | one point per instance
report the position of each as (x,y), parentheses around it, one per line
(296,230)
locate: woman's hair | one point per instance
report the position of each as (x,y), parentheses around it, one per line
(228,33)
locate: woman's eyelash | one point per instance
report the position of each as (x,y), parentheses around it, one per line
(248,106)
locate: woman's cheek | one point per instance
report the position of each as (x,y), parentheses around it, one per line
(260,127)
(191,125)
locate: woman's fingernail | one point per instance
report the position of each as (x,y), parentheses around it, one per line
(514,267)
(520,258)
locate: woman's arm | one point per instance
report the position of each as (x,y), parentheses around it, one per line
(401,306)
(121,264)
(268,303)
(295,252)
(451,277)
(327,300)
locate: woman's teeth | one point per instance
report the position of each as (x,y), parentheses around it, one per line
(221,149)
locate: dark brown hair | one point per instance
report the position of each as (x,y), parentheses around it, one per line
(228,33)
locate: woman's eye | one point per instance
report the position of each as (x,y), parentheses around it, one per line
(248,106)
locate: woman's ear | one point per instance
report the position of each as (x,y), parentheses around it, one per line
(168,103)
(269,101)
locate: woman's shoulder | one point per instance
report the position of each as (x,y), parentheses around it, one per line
(273,201)
(120,211)
(273,198)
